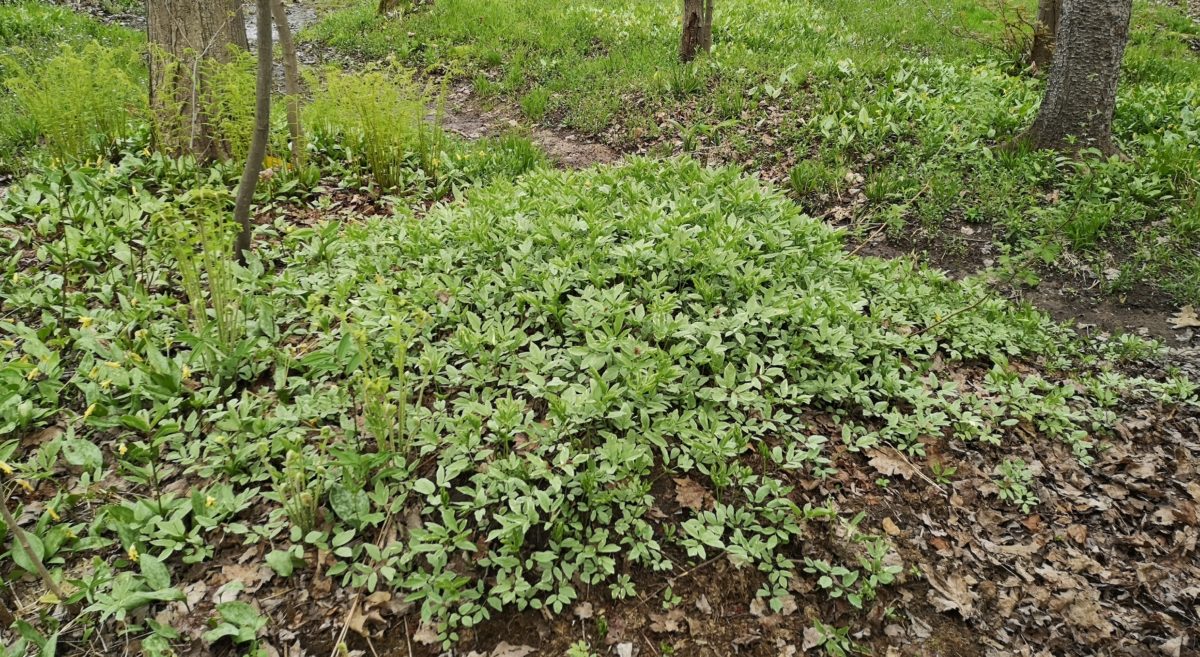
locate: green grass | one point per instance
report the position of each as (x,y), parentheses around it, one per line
(898,91)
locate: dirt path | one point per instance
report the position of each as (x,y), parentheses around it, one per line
(465,116)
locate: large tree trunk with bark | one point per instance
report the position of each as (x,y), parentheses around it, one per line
(1081,94)
(183,35)
(262,131)
(697,28)
(1045,32)
(291,74)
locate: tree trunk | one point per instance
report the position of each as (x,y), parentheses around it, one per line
(386,7)
(1044,33)
(291,73)
(183,35)
(697,28)
(1081,94)
(262,131)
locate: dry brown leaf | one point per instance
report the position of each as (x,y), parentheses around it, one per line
(506,650)
(691,495)
(812,639)
(1193,489)
(667,623)
(892,465)
(758,608)
(952,593)
(425,634)
(583,610)
(1164,517)
(1186,318)
(1078,533)
(1085,612)
(890,527)
(359,619)
(1172,648)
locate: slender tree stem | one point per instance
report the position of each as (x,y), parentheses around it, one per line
(262,129)
(291,74)
(34,559)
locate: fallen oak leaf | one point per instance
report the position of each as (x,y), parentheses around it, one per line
(359,618)
(507,650)
(952,593)
(1186,318)
(691,495)
(892,466)
(667,623)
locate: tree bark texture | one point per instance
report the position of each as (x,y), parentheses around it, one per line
(387,6)
(262,131)
(697,28)
(1081,93)
(1044,33)
(291,74)
(183,35)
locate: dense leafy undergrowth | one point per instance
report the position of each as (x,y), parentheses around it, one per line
(474,404)
(878,113)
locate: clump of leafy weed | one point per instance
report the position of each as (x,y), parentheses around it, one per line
(382,114)
(77,103)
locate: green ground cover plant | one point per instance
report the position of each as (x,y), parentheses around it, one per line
(451,377)
(510,372)
(912,96)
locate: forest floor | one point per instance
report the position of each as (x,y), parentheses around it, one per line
(1104,289)
(1106,562)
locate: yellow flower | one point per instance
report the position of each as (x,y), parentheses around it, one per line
(210,501)
(90,409)
(86,322)
(122,450)
(33,374)
(133,553)
(133,301)
(53,514)
(135,357)
(71,534)
(187,372)
(26,485)
(8,343)
(113,364)
(94,373)
(106,384)
(6,468)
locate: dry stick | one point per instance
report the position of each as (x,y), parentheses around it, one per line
(671,581)
(291,74)
(345,627)
(33,557)
(262,130)
(407,637)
